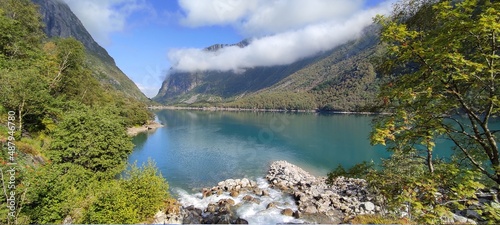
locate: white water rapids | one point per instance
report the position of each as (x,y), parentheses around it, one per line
(250,211)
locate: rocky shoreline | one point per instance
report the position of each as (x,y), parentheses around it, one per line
(288,193)
(150,125)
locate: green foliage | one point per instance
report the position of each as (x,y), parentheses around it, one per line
(133,199)
(359,170)
(65,114)
(25,92)
(92,138)
(70,76)
(492,213)
(438,69)
(54,191)
(406,185)
(276,100)
(61,190)
(148,187)
(21,33)
(378,219)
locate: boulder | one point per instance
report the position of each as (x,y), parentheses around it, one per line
(245,182)
(206,192)
(227,201)
(310,209)
(368,206)
(211,208)
(258,192)
(247,198)
(240,221)
(472,214)
(192,215)
(287,212)
(234,193)
(271,205)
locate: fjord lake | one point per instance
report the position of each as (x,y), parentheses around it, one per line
(197,149)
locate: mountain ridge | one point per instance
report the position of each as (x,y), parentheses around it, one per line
(61,22)
(326,79)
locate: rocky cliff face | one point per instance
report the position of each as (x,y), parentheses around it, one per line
(60,21)
(217,47)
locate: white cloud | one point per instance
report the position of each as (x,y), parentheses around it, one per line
(202,13)
(281,48)
(103,17)
(263,17)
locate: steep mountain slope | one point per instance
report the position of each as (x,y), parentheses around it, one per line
(342,79)
(216,86)
(345,80)
(62,22)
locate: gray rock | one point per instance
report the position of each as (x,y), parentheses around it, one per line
(240,221)
(472,214)
(211,208)
(69,219)
(245,182)
(459,219)
(368,206)
(310,209)
(192,215)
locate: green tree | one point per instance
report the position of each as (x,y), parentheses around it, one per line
(56,191)
(25,92)
(21,34)
(133,199)
(92,138)
(68,73)
(439,72)
(149,188)
(406,186)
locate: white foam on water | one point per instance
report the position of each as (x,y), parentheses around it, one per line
(250,211)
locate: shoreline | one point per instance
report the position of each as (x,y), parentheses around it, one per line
(214,108)
(286,195)
(149,126)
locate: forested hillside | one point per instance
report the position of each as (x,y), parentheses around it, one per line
(62,133)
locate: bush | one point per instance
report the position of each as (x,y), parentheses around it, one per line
(359,170)
(91,138)
(133,199)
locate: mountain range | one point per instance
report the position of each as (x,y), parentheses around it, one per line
(341,79)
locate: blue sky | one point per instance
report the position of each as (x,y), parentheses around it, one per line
(149,37)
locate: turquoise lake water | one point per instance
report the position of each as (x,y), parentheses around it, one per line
(197,149)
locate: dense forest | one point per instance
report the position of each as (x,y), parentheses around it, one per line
(63,133)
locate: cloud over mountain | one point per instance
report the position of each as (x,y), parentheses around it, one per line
(290,37)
